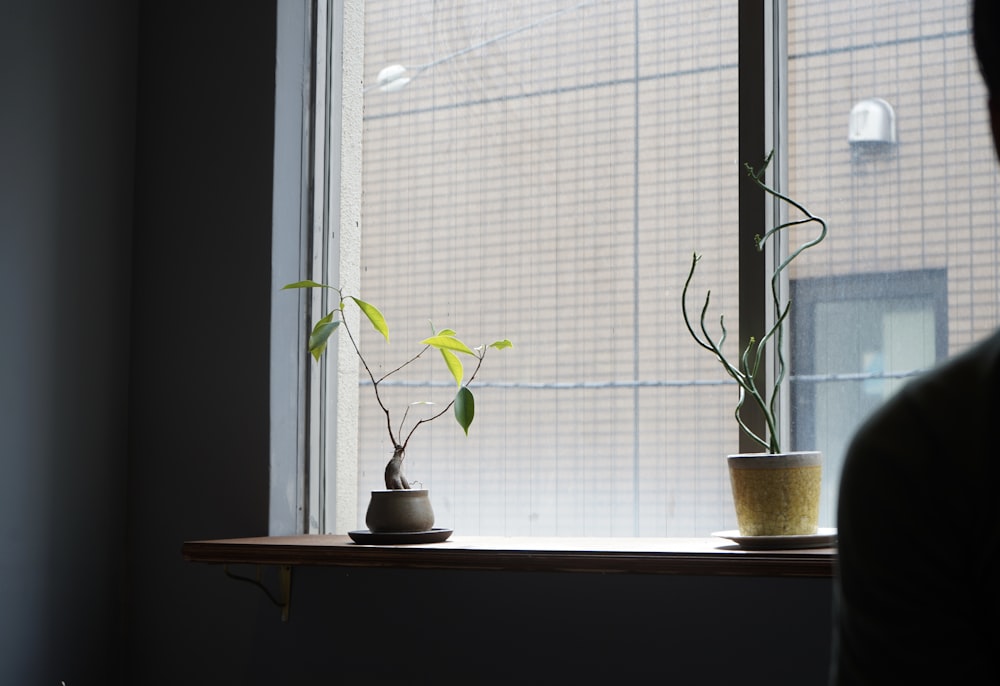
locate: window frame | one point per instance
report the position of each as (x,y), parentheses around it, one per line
(316,230)
(289,258)
(928,286)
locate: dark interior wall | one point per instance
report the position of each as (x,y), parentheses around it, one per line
(67,94)
(390,626)
(198,445)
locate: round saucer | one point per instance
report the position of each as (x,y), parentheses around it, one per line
(823,538)
(399,537)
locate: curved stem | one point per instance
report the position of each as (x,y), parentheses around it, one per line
(750,375)
(751,361)
(687,321)
(447,407)
(375,383)
(743,425)
(404,365)
(781,313)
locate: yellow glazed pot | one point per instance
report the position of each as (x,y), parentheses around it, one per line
(776,495)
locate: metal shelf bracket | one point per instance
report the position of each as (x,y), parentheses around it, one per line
(283,599)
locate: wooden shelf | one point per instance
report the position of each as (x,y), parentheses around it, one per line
(687,556)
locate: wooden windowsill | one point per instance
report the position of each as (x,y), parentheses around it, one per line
(688,556)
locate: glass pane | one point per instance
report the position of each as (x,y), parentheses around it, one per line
(545,175)
(889,141)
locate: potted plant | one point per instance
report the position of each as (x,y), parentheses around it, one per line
(775,493)
(400,512)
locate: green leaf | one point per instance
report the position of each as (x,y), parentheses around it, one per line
(500,345)
(454,365)
(374,316)
(447,342)
(320,335)
(304,284)
(442,332)
(465,408)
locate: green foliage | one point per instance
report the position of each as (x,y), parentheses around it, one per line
(374,316)
(749,366)
(454,365)
(446,341)
(321,334)
(465,408)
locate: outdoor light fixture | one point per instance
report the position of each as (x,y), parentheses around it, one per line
(872,127)
(392,78)
(871,131)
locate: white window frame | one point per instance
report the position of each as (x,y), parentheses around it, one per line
(316,234)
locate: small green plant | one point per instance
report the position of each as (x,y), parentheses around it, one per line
(747,369)
(446,341)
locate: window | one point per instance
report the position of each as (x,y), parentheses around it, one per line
(547,180)
(545,175)
(908,275)
(900,326)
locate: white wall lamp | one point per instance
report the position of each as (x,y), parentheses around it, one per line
(392,78)
(872,129)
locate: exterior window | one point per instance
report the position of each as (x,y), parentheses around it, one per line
(901,283)
(898,327)
(543,170)
(545,176)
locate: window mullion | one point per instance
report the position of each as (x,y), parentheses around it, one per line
(292,226)
(340,191)
(761,65)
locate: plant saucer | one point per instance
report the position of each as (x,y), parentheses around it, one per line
(823,538)
(367,537)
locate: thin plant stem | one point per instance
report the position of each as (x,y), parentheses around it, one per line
(750,362)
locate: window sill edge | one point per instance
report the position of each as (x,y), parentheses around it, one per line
(678,556)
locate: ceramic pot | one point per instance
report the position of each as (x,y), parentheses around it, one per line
(776,495)
(398,511)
